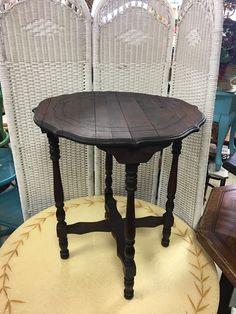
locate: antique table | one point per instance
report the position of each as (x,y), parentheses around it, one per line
(131,127)
(217,234)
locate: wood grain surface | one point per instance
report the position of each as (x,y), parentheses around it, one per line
(117,119)
(217,229)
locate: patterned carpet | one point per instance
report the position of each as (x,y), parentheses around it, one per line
(179,279)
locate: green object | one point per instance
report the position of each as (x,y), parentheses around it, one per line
(7,169)
(4,136)
(10,208)
(224,56)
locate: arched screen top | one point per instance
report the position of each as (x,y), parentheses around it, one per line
(78,7)
(108,12)
(129,32)
(206,5)
(45,31)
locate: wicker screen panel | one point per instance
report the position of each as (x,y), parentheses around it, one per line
(194,78)
(132,45)
(45,51)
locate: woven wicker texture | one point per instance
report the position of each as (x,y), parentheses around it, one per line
(194,77)
(132,44)
(45,51)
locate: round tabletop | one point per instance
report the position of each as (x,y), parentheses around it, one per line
(179,279)
(118,119)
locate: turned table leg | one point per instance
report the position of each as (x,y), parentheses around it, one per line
(171,190)
(108,183)
(130,267)
(58,195)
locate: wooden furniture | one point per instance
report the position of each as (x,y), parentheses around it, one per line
(131,127)
(217,234)
(90,281)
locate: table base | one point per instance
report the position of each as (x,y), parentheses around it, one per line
(115,224)
(124,232)
(90,281)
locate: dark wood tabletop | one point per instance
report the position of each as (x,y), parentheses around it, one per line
(117,119)
(217,229)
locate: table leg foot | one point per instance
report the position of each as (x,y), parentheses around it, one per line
(165,243)
(63,242)
(129,291)
(128,296)
(64,254)
(168,223)
(62,239)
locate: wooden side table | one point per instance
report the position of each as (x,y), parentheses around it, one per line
(217,234)
(131,127)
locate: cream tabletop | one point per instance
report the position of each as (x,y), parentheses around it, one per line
(179,279)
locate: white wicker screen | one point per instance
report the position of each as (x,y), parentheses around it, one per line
(194,78)
(132,45)
(45,51)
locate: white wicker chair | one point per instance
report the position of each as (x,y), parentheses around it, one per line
(194,77)
(45,50)
(132,45)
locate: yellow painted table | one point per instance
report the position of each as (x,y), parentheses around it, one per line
(34,280)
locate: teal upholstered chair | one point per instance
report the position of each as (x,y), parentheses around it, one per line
(10,209)
(225,116)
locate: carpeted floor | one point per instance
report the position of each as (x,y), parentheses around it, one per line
(179,279)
